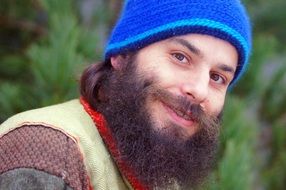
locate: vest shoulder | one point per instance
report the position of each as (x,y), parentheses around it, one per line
(62,115)
(71,118)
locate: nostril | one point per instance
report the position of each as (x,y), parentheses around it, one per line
(191,95)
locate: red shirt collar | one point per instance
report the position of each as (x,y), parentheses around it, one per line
(108,139)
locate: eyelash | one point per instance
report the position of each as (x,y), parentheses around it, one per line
(174,55)
(224,81)
(220,77)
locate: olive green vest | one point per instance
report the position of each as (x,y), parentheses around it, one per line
(71,119)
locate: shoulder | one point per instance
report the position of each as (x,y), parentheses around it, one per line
(63,124)
(42,149)
(49,113)
(69,116)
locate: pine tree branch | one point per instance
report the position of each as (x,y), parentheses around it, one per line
(24,25)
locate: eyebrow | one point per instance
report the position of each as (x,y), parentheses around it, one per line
(226,68)
(196,51)
(188,45)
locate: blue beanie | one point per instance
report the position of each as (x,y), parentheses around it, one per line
(143,22)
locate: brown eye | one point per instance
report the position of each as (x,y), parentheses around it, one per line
(217,78)
(180,57)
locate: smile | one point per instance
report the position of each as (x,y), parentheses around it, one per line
(179,117)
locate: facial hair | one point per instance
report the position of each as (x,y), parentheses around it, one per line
(161,157)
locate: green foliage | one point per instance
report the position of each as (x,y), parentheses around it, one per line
(275,173)
(47,71)
(264,47)
(269,18)
(13,67)
(46,43)
(17,26)
(274,99)
(239,124)
(18,8)
(53,62)
(235,169)
(12,99)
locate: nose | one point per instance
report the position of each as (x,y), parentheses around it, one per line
(196,87)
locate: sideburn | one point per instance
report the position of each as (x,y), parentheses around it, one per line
(91,81)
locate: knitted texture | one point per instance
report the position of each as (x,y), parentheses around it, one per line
(43,149)
(144,22)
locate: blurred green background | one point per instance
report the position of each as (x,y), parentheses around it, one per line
(45,44)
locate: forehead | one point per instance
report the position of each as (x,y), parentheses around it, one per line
(200,41)
(203,46)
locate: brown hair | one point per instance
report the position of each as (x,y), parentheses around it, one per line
(94,76)
(91,80)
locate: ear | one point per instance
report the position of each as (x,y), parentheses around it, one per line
(118,62)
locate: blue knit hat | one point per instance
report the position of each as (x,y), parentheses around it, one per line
(143,22)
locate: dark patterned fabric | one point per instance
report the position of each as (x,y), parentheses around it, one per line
(31,179)
(45,149)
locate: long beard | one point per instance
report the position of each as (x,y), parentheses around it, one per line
(162,158)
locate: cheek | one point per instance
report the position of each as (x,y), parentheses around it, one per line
(155,111)
(162,72)
(214,104)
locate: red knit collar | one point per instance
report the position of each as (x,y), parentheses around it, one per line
(108,139)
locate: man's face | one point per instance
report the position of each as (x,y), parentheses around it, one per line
(162,107)
(195,67)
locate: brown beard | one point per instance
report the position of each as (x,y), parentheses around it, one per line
(160,158)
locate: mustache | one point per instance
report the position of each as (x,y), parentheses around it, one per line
(185,108)
(164,157)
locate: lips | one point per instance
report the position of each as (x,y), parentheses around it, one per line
(180,115)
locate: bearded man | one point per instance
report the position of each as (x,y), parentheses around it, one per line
(149,114)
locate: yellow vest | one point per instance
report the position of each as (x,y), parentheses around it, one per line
(71,119)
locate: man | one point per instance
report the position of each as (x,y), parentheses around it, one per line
(148,116)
